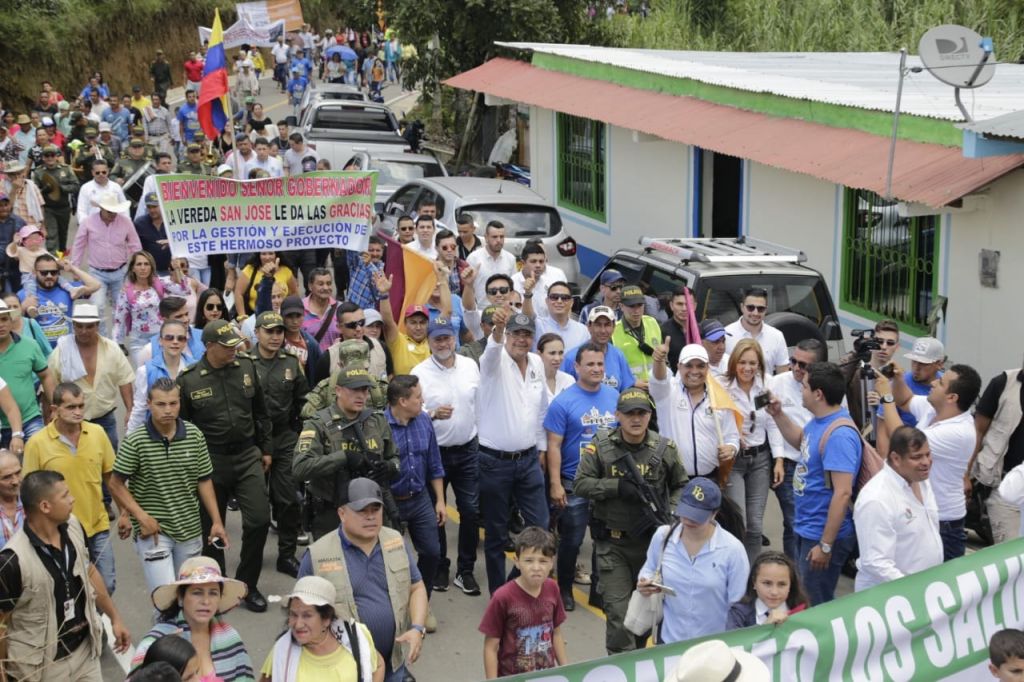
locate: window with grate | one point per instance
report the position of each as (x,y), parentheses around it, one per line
(890,262)
(581,157)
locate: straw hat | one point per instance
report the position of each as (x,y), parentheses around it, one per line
(109,202)
(715,661)
(201,570)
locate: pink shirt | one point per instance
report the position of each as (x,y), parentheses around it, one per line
(109,246)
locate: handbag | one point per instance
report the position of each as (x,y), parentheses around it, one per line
(644,612)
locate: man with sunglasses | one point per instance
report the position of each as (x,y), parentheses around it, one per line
(89,153)
(100,185)
(406,230)
(636,334)
(612,282)
(53,303)
(751,325)
(284,390)
(887,334)
(57,193)
(498,290)
(491,260)
(787,388)
(558,321)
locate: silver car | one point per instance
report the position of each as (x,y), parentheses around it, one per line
(340,91)
(394,169)
(525,214)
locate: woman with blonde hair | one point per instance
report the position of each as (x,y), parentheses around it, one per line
(137,313)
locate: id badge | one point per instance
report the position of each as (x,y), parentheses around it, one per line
(69,609)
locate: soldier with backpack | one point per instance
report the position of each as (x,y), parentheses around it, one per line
(824,480)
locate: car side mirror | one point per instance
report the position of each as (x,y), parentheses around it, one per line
(831,330)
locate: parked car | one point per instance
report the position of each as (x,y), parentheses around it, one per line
(328,91)
(337,128)
(718,272)
(525,214)
(395,169)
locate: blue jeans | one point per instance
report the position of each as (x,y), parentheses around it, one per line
(109,290)
(29,428)
(821,585)
(572,528)
(748,486)
(164,570)
(418,514)
(954,539)
(395,675)
(501,481)
(462,472)
(784,494)
(101,553)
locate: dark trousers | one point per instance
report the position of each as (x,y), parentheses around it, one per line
(502,480)
(108,422)
(572,528)
(784,494)
(284,493)
(954,539)
(325,519)
(418,514)
(462,472)
(240,475)
(618,565)
(820,586)
(57,220)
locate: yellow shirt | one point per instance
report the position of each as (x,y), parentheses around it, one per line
(334,667)
(282,275)
(112,371)
(83,469)
(406,353)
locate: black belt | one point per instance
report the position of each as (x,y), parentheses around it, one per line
(472,442)
(507,455)
(750,452)
(109,269)
(404,498)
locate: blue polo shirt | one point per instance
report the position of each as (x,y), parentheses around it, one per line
(55,307)
(370,589)
(576,414)
(811,499)
(616,370)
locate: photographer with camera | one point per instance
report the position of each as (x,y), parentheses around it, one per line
(872,352)
(636,335)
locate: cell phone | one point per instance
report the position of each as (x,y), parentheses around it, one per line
(889,371)
(762,400)
(217,543)
(664,588)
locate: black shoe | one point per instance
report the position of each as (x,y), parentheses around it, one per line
(442,578)
(288,565)
(568,601)
(509,546)
(232,504)
(468,584)
(255,602)
(765,542)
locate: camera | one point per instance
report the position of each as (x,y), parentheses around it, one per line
(762,400)
(864,342)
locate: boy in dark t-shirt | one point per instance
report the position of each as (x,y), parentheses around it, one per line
(522,623)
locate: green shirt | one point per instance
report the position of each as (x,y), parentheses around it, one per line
(18,366)
(163,476)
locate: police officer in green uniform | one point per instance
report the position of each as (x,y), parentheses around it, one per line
(57,183)
(150,150)
(193,162)
(345,440)
(351,353)
(88,152)
(621,471)
(222,395)
(128,172)
(284,389)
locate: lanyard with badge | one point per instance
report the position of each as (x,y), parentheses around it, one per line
(65,573)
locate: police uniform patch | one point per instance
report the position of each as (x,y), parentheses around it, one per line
(308,433)
(201,393)
(288,374)
(246,380)
(588,449)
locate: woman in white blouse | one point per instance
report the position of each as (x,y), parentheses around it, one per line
(551,350)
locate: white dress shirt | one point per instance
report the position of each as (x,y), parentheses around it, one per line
(427,252)
(897,534)
(722,368)
(1012,491)
(563,380)
(90,195)
(573,333)
(951,441)
(691,426)
(789,392)
(455,386)
(550,275)
(271,165)
(485,266)
(773,343)
(511,406)
(757,430)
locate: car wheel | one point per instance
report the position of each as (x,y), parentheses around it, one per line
(795,327)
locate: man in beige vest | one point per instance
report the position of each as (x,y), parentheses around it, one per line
(361,548)
(1000,448)
(49,592)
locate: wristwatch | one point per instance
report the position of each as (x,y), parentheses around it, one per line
(18,434)
(825,547)
(420,629)
(888,398)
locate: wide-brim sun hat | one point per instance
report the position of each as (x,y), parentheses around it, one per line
(715,661)
(201,570)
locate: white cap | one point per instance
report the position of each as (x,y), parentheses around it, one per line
(714,661)
(314,590)
(224,168)
(693,351)
(927,350)
(372,316)
(105,127)
(597,312)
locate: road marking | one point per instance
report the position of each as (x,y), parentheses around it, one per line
(581,597)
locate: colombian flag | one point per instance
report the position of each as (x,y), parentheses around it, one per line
(213,89)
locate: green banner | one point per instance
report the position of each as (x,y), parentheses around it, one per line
(934,625)
(207,215)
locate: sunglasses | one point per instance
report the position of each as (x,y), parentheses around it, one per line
(499,290)
(48,273)
(559,297)
(212,306)
(448,248)
(175,337)
(759,308)
(888,342)
(355,325)
(99,172)
(615,287)
(407,228)
(799,364)
(753,420)
(49,154)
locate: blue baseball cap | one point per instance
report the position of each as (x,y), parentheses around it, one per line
(610,276)
(712,330)
(440,327)
(700,500)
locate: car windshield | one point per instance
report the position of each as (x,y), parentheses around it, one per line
(722,296)
(353,118)
(524,221)
(394,172)
(349,96)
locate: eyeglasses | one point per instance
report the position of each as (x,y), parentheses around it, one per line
(888,342)
(559,297)
(355,325)
(99,172)
(799,364)
(448,248)
(759,308)
(175,337)
(499,290)
(212,306)
(48,273)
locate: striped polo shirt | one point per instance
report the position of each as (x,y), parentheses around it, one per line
(163,476)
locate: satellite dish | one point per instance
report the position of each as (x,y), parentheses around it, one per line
(957,56)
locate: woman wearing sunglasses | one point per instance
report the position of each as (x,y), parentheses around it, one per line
(168,362)
(751,473)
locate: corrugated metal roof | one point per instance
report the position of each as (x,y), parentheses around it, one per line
(1007,125)
(927,173)
(866,80)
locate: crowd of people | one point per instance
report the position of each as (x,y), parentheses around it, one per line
(343,420)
